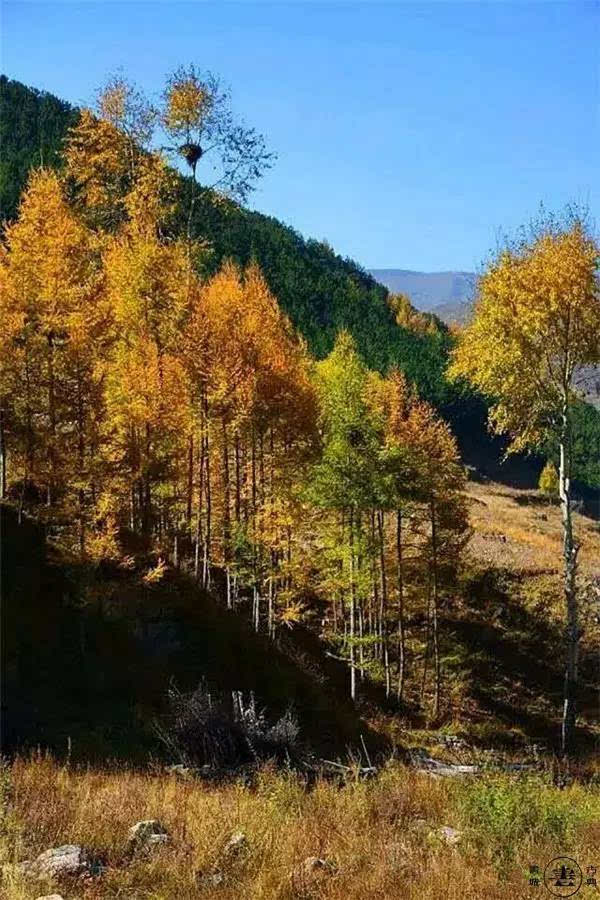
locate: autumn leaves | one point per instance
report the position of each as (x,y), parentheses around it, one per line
(146,406)
(536,323)
(390,478)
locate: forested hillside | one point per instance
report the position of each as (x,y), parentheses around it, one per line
(320,291)
(153,403)
(32,129)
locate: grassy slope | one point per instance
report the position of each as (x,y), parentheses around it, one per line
(505,638)
(501,635)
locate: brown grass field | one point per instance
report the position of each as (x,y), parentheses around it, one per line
(519,530)
(380,835)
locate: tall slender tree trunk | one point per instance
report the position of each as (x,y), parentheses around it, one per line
(52,417)
(226,510)
(359,617)
(256,602)
(134,463)
(256,608)
(191,209)
(2,454)
(434,606)
(81,461)
(570,550)
(190,483)
(146,490)
(30,452)
(238,494)
(199,511)
(132,506)
(352,610)
(270,614)
(427,636)
(208,535)
(376,600)
(400,589)
(384,597)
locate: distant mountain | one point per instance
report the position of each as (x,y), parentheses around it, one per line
(453,313)
(587,380)
(428,290)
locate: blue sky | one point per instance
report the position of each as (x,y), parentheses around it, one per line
(408,134)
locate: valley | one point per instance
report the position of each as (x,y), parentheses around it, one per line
(300,562)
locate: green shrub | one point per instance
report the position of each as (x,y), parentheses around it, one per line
(504,812)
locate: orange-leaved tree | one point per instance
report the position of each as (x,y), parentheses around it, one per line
(56,330)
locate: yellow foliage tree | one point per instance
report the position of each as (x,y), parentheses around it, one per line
(409,317)
(548,482)
(536,322)
(55,330)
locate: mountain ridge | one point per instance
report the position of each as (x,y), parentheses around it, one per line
(430,291)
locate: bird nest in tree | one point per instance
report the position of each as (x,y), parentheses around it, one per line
(191,153)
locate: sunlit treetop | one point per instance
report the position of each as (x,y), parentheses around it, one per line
(536,323)
(124,105)
(189,101)
(198,115)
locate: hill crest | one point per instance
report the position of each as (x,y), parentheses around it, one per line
(428,290)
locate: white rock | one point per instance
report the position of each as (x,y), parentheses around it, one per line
(145,835)
(449,835)
(69,859)
(235,846)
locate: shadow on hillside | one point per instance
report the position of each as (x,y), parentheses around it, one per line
(94,674)
(485,455)
(516,668)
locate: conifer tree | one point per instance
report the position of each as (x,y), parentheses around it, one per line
(343,479)
(55,329)
(148,283)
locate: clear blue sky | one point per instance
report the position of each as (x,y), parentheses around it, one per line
(407,133)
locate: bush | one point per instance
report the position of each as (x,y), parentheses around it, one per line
(203,728)
(504,812)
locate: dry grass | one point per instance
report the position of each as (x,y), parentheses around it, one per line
(518,530)
(369,830)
